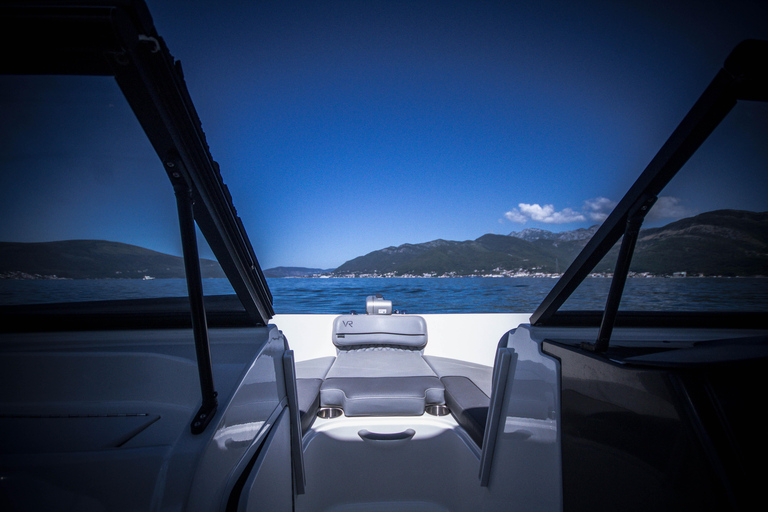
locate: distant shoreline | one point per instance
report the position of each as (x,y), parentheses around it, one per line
(497,276)
(22,276)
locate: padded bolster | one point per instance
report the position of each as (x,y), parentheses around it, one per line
(309,376)
(468,404)
(309,401)
(479,374)
(384,396)
(355,331)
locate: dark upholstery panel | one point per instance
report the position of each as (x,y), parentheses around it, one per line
(480,374)
(309,400)
(468,404)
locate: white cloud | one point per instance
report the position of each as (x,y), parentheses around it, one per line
(668,207)
(514,215)
(545,214)
(597,209)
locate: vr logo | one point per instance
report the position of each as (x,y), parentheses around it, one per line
(347,323)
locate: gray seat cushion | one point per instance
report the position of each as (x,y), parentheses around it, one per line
(379,362)
(309,377)
(381,382)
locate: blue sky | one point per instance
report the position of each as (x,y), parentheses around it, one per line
(346,127)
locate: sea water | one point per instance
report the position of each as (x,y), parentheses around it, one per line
(420,295)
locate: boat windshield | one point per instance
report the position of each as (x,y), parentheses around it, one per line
(699,251)
(89,213)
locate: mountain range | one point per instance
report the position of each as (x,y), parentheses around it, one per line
(92,259)
(722,242)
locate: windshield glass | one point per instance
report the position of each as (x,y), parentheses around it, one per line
(703,245)
(91,216)
(394,148)
(89,213)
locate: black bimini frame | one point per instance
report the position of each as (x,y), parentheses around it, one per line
(743,77)
(90,37)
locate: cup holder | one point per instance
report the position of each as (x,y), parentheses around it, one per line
(437,410)
(327,413)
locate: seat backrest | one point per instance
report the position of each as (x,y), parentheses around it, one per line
(363,331)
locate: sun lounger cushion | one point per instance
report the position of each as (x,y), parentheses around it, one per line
(379,369)
(381,382)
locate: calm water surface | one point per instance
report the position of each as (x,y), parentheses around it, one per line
(420,295)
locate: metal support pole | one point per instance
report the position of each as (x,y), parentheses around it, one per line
(197,306)
(634,222)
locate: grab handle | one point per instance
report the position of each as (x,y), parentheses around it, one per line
(406,435)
